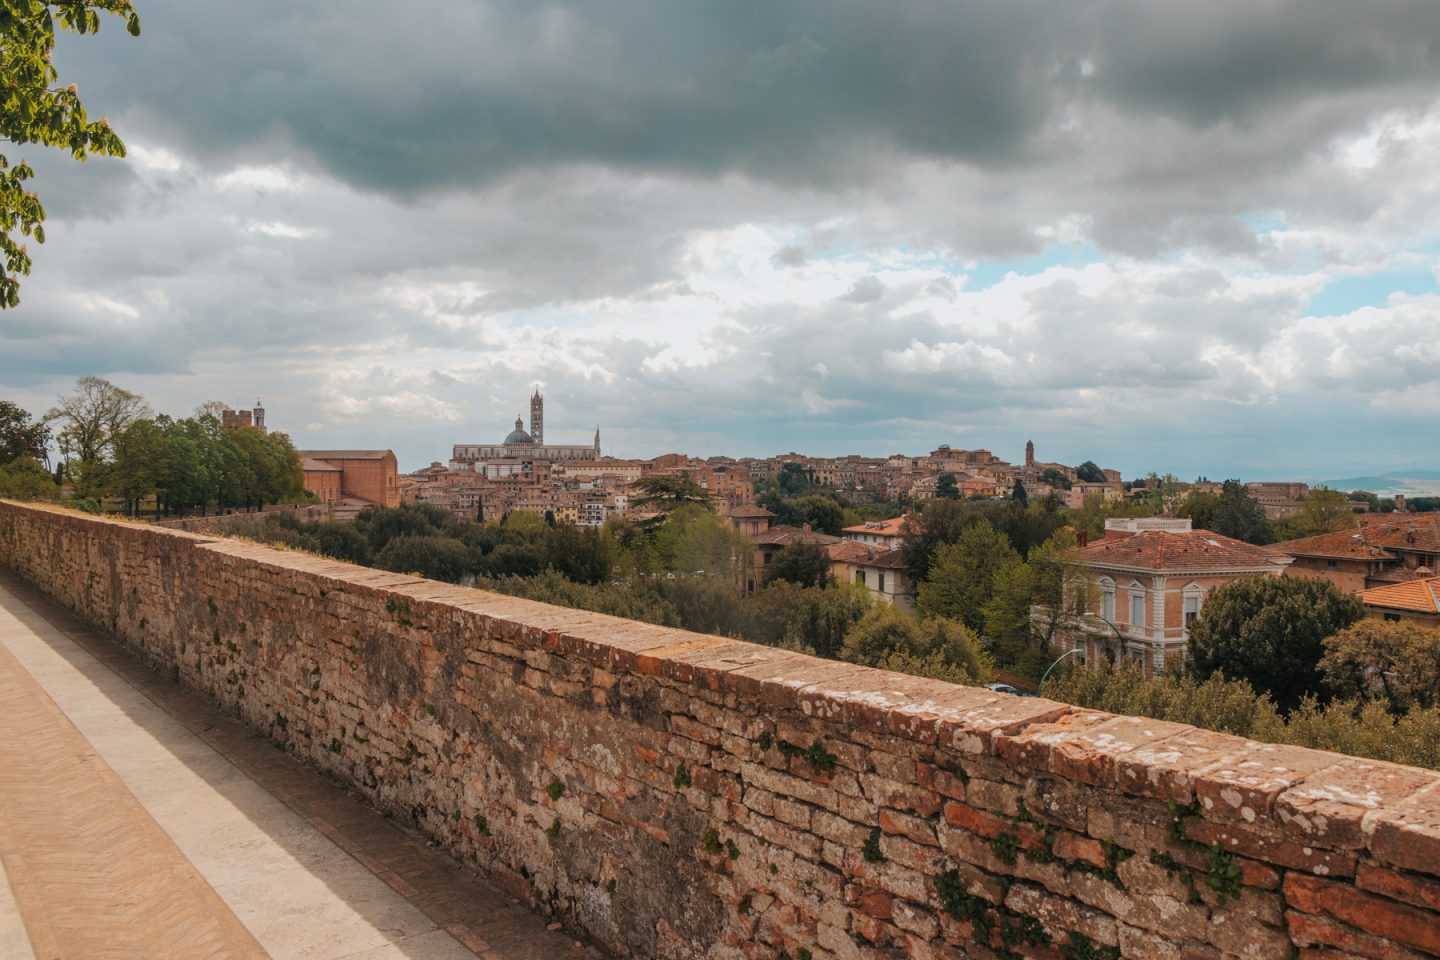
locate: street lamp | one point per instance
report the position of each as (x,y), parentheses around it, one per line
(1068,653)
(1120,637)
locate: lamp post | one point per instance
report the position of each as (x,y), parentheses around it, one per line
(1120,637)
(1068,653)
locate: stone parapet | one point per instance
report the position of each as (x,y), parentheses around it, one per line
(683,796)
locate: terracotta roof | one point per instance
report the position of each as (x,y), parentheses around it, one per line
(885,528)
(748,511)
(847,551)
(783,536)
(1344,545)
(864,554)
(311,465)
(346,454)
(1420,596)
(1191,550)
(888,559)
(1373,539)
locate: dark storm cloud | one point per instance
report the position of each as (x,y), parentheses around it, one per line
(394,98)
(1231,59)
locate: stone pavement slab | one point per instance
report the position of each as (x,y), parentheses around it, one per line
(92,873)
(14,944)
(310,871)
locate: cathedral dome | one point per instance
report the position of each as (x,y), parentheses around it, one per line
(518,435)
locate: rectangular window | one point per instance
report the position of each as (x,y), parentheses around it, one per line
(860,577)
(882,582)
(1192,610)
(1137,609)
(1107,605)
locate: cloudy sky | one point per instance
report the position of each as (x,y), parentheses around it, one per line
(1195,237)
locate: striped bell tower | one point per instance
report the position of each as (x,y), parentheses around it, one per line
(537,417)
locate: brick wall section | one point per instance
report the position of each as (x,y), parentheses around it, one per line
(683,796)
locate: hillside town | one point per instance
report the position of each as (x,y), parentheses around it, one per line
(1145,552)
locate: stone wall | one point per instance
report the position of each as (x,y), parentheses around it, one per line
(682,796)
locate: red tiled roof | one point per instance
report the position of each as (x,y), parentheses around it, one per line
(748,512)
(1344,545)
(1420,596)
(884,528)
(1191,550)
(1377,535)
(847,551)
(783,536)
(346,454)
(865,555)
(889,560)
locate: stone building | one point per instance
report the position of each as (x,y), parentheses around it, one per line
(372,476)
(750,519)
(1385,548)
(235,419)
(1415,600)
(519,451)
(887,534)
(322,480)
(1147,581)
(880,570)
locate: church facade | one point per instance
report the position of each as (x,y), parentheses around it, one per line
(514,455)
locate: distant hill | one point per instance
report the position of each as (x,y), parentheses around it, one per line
(1412,483)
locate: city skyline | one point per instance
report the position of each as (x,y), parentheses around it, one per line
(1122,232)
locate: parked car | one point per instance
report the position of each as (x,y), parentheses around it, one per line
(1002,688)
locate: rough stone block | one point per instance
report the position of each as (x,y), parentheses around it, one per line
(1379,916)
(1331,809)
(1408,834)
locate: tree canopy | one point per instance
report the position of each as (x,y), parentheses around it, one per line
(92,417)
(1269,631)
(962,577)
(1396,663)
(36,109)
(807,564)
(666,492)
(20,435)
(1321,511)
(1239,515)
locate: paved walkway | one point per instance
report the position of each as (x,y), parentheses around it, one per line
(136,820)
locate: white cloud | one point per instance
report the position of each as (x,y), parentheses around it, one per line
(286,231)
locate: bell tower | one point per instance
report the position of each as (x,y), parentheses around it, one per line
(537,417)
